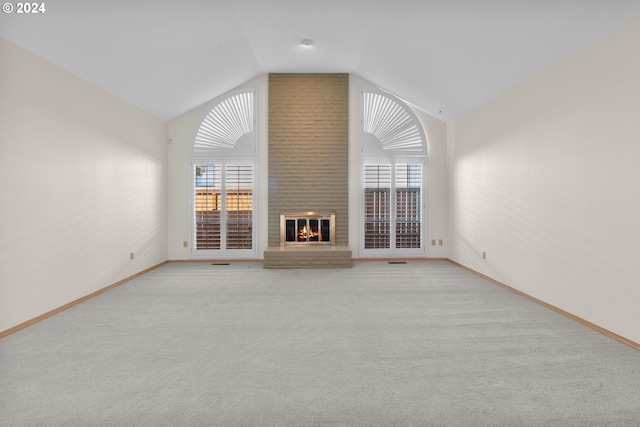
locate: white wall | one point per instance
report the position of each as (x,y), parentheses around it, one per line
(83,184)
(436,180)
(182,131)
(436,185)
(545,179)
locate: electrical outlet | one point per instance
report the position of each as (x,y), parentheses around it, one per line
(184,244)
(484,255)
(131,255)
(433,242)
(440,242)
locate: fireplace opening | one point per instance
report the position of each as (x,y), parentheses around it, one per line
(307,228)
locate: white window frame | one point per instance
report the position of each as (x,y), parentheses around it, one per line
(223,252)
(392,250)
(387,140)
(225,150)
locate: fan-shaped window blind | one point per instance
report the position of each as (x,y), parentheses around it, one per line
(391,121)
(228,121)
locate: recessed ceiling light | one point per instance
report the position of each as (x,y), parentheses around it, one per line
(306,43)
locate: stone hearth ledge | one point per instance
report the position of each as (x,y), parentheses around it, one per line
(307,256)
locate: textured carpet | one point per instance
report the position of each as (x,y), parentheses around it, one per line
(423,343)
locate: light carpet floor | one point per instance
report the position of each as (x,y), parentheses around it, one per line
(416,344)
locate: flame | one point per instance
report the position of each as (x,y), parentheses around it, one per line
(307,232)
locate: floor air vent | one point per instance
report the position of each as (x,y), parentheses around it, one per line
(397,262)
(221,263)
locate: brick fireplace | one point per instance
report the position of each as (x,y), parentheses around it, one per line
(308,165)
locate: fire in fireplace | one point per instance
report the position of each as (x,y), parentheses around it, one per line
(303,228)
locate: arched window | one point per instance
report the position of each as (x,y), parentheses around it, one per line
(393,154)
(223,164)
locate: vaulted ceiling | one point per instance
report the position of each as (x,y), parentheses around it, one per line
(445,56)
